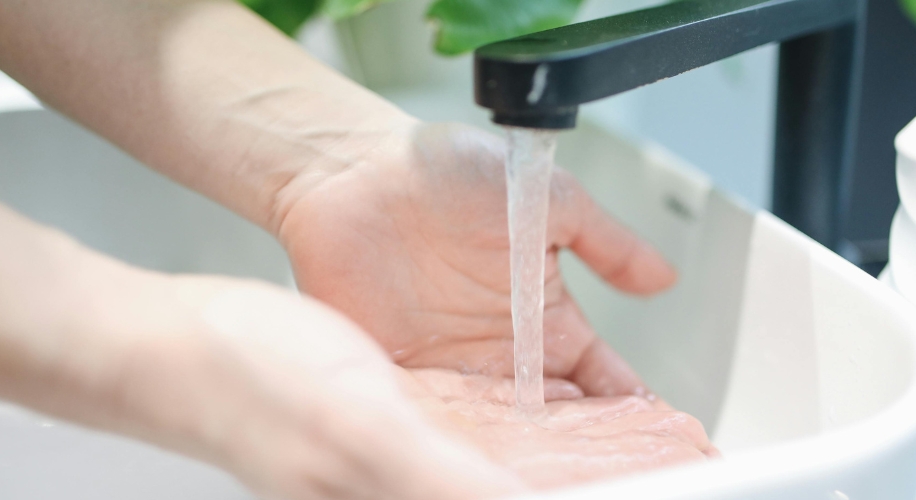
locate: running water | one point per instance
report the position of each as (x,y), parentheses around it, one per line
(528,167)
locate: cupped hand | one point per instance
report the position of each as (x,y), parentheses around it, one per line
(282,391)
(299,402)
(411,241)
(572,441)
(279,389)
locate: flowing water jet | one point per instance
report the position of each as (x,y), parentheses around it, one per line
(529,163)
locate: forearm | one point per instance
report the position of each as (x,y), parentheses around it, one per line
(88,339)
(203,91)
(51,343)
(282,391)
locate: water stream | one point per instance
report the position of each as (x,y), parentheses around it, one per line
(528,168)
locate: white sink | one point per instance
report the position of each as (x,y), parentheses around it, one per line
(800,365)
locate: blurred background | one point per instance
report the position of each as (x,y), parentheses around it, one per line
(719,118)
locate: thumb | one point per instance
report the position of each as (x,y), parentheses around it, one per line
(605,245)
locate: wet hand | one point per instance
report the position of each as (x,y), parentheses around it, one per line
(413,239)
(279,389)
(296,401)
(573,441)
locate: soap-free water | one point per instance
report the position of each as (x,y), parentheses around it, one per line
(529,162)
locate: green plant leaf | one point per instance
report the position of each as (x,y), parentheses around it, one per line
(464,25)
(909,6)
(287,15)
(340,9)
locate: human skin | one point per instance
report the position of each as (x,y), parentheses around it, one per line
(277,388)
(398,224)
(286,393)
(425,251)
(573,441)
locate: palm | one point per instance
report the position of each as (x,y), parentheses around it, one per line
(413,245)
(270,344)
(576,441)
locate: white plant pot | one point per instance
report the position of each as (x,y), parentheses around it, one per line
(390,47)
(901,269)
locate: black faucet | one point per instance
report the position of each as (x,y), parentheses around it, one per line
(539,81)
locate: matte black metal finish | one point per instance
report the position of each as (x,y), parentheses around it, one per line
(888,104)
(817,110)
(539,80)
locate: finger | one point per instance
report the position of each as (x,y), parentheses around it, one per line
(556,389)
(575,461)
(609,248)
(598,370)
(567,335)
(673,424)
(602,372)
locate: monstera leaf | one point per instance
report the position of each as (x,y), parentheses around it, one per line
(464,25)
(909,6)
(287,15)
(461,25)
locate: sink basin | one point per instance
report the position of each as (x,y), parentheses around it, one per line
(799,364)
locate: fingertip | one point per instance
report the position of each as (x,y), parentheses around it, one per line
(559,389)
(615,253)
(712,452)
(602,372)
(646,272)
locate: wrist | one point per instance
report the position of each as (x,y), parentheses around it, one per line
(332,152)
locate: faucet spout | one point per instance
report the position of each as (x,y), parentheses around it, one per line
(539,80)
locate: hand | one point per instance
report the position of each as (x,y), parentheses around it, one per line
(279,389)
(399,225)
(296,401)
(411,241)
(293,399)
(575,441)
